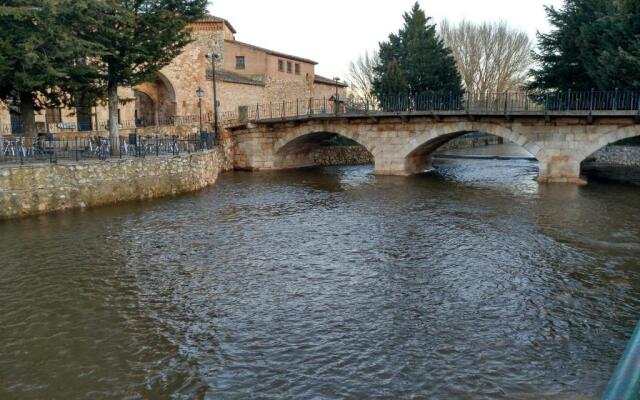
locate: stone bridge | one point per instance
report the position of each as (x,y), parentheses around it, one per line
(403,143)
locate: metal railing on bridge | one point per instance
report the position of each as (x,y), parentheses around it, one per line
(509,103)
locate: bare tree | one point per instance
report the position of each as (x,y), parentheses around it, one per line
(360,78)
(491,57)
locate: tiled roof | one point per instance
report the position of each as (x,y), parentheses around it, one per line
(212,18)
(228,76)
(327,81)
(273,52)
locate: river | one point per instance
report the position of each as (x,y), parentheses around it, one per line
(469,282)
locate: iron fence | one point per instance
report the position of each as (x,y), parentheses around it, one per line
(46,148)
(15,128)
(508,103)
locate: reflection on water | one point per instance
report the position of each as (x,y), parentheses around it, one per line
(469,282)
(499,150)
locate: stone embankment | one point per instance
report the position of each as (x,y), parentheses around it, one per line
(470,142)
(628,156)
(342,155)
(42,188)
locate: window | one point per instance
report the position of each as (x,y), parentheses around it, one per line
(297,69)
(53,115)
(280,65)
(239,62)
(289,67)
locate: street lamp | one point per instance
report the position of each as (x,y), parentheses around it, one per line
(200,94)
(213,57)
(337,80)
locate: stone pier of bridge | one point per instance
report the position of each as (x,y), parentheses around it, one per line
(404,144)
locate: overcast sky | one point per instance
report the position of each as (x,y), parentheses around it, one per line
(334,32)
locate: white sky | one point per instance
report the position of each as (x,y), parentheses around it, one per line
(334,32)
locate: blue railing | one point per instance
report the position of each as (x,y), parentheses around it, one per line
(625,382)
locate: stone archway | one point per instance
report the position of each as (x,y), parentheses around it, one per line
(608,138)
(145,109)
(418,152)
(156,101)
(297,150)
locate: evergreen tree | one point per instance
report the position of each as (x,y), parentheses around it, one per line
(594,44)
(617,36)
(415,60)
(137,39)
(393,82)
(38,54)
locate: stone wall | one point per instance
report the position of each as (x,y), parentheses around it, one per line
(628,156)
(470,143)
(232,95)
(322,91)
(38,189)
(342,155)
(280,89)
(187,72)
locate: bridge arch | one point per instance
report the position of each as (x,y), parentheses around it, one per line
(295,149)
(608,138)
(418,151)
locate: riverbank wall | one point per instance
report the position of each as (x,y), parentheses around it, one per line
(43,188)
(342,155)
(470,142)
(627,156)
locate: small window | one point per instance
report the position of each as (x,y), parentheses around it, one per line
(53,115)
(280,65)
(239,62)
(289,67)
(297,69)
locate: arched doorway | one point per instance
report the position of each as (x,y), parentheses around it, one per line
(155,102)
(145,109)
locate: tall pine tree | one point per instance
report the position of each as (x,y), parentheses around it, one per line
(137,39)
(595,44)
(393,82)
(415,60)
(38,54)
(617,45)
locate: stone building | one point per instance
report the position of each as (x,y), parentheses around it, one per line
(246,75)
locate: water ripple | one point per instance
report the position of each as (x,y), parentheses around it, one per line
(471,282)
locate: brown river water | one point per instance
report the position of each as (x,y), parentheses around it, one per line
(469,282)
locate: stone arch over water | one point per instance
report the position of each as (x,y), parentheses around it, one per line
(418,151)
(295,149)
(607,138)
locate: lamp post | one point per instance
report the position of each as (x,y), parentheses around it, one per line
(213,57)
(200,94)
(337,81)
